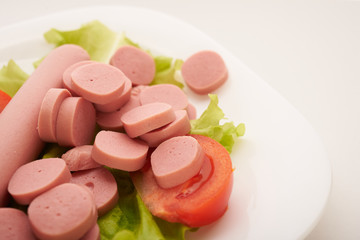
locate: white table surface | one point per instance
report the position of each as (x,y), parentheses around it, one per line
(308,51)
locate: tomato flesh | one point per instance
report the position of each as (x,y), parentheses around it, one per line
(197,202)
(4,100)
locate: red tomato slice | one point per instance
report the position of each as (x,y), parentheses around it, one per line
(199,201)
(4,100)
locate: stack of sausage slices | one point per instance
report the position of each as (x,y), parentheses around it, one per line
(143,127)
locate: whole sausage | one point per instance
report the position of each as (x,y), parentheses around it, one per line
(20,141)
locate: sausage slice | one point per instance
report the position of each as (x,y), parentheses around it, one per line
(120,100)
(146,118)
(67,211)
(118,150)
(204,72)
(76,122)
(49,111)
(15,225)
(98,82)
(135,63)
(37,177)
(102,184)
(166,93)
(180,126)
(79,158)
(176,160)
(67,82)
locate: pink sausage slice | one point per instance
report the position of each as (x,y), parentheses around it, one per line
(176,160)
(37,177)
(18,121)
(146,118)
(92,234)
(117,150)
(135,63)
(98,82)
(166,93)
(64,212)
(191,111)
(135,91)
(79,158)
(204,72)
(112,121)
(119,102)
(76,122)
(49,112)
(14,225)
(102,184)
(67,82)
(179,127)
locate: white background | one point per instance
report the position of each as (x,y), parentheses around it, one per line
(309,51)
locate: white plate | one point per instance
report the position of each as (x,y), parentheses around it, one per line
(282,176)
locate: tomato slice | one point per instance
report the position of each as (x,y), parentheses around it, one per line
(4,100)
(197,202)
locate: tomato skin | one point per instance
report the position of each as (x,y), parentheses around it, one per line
(211,210)
(4,100)
(204,206)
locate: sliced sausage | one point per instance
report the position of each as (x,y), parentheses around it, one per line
(79,158)
(18,121)
(34,178)
(76,122)
(15,225)
(191,111)
(98,82)
(135,91)
(92,234)
(146,118)
(48,113)
(180,126)
(135,63)
(67,76)
(117,150)
(176,160)
(204,72)
(112,121)
(102,184)
(119,102)
(166,93)
(67,211)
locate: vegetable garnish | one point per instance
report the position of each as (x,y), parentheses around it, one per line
(202,199)
(4,100)
(12,78)
(165,71)
(130,219)
(209,124)
(98,40)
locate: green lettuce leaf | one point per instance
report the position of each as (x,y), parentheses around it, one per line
(97,39)
(209,125)
(12,78)
(125,41)
(130,219)
(53,150)
(165,71)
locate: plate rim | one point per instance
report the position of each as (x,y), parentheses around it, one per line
(133,8)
